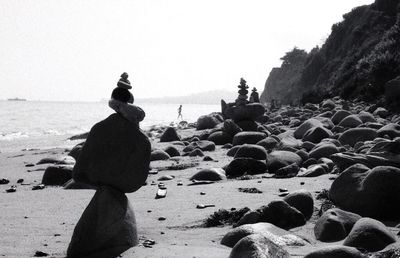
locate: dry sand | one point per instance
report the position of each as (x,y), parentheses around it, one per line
(43,220)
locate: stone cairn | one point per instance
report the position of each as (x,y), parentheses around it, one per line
(242,98)
(115,160)
(254,97)
(242,112)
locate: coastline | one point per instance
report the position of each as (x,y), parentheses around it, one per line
(44,220)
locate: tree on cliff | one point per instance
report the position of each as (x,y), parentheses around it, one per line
(294,57)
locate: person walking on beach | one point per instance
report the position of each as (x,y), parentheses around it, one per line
(180,112)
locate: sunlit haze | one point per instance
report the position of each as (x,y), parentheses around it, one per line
(76,50)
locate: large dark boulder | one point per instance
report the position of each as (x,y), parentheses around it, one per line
(282,215)
(159,155)
(339,116)
(323,151)
(249,111)
(116,153)
(248,137)
(305,126)
(334,225)
(368,192)
(209,174)
(316,134)
(369,234)
(231,128)
(336,252)
(170,135)
(277,235)
(76,150)
(257,246)
(392,130)
(203,145)
(208,121)
(241,166)
(354,135)
(172,151)
(106,228)
(351,121)
(220,138)
(57,175)
(251,151)
(280,159)
(303,201)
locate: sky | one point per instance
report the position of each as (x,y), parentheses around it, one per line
(75,50)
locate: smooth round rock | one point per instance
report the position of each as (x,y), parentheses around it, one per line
(323,151)
(57,175)
(159,155)
(268,143)
(248,137)
(301,200)
(334,225)
(251,151)
(209,174)
(240,166)
(220,138)
(392,130)
(305,126)
(351,121)
(354,135)
(170,135)
(368,192)
(316,134)
(257,246)
(172,151)
(336,252)
(280,159)
(339,116)
(369,234)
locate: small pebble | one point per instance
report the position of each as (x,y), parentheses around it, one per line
(179,183)
(29,165)
(19,181)
(162,218)
(40,254)
(202,193)
(12,189)
(149,211)
(283,190)
(38,187)
(4,181)
(283,194)
(302,183)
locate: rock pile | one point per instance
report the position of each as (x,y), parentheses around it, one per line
(115,159)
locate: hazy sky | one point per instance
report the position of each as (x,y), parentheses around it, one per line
(76,49)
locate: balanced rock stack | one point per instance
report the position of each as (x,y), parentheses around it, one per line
(115,159)
(244,113)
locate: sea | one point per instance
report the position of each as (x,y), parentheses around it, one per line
(40,124)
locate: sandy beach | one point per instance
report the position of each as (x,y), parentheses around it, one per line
(43,220)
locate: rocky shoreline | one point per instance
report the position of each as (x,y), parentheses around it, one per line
(311,181)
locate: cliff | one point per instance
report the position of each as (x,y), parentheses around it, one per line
(360,55)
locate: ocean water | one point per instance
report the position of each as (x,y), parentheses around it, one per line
(32,124)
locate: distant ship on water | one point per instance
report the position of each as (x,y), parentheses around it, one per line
(16,99)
